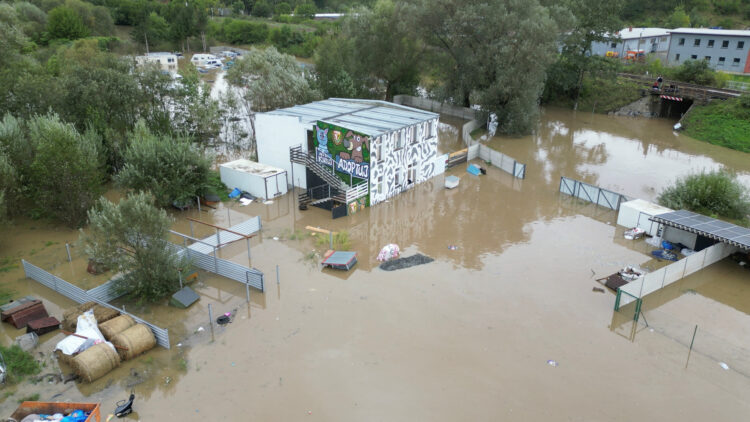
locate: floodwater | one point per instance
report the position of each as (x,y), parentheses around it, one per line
(468,336)
(450,137)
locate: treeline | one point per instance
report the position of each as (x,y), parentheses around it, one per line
(290,40)
(728,14)
(74,116)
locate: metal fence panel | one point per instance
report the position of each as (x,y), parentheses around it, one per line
(81,296)
(591,193)
(519,170)
(105,292)
(484,152)
(224,268)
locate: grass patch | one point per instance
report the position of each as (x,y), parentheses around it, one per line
(32,397)
(341,241)
(7,263)
(18,363)
(725,123)
(218,187)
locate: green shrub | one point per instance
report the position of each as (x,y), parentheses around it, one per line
(239,31)
(18,363)
(716,193)
(171,168)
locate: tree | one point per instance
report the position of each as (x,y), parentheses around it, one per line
(678,18)
(385,52)
(583,22)
(67,170)
(272,80)
(64,23)
(282,8)
(7,183)
(170,168)
(262,9)
(268,80)
(150,27)
(131,237)
(714,193)
(493,54)
(305,10)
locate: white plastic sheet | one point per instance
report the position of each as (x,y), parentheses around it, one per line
(85,327)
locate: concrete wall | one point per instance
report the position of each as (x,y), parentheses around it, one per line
(275,134)
(451,110)
(735,59)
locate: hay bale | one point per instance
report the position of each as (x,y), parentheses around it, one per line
(136,339)
(95,362)
(101,313)
(115,326)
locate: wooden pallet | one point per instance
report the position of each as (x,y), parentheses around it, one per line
(43,325)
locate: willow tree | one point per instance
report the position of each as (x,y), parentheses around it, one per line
(493,54)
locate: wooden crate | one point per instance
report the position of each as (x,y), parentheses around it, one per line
(49,408)
(43,325)
(20,318)
(18,308)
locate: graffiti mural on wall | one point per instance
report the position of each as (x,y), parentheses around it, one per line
(347,151)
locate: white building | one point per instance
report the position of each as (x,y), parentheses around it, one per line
(204,59)
(167,61)
(365,150)
(724,49)
(648,40)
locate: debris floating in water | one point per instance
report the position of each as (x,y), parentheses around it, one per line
(552,362)
(724,366)
(452,247)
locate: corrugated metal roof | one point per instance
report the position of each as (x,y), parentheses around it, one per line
(706,31)
(370,117)
(631,33)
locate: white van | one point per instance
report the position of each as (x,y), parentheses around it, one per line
(202,59)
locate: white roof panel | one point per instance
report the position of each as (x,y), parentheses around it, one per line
(706,31)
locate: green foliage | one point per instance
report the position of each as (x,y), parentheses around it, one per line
(306,10)
(67,173)
(169,167)
(481,63)
(31,397)
(678,18)
(215,185)
(65,23)
(19,363)
(282,8)
(716,193)
(239,31)
(725,123)
(272,80)
(600,95)
(695,71)
(131,237)
(262,9)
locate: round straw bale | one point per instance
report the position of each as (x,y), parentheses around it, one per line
(115,326)
(101,313)
(62,357)
(95,362)
(136,339)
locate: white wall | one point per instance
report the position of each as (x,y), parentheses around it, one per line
(422,154)
(247,182)
(275,134)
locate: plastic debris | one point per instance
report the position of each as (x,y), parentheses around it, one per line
(276,238)
(452,247)
(724,366)
(552,363)
(235,193)
(179,344)
(269,202)
(245,201)
(389,251)
(200,329)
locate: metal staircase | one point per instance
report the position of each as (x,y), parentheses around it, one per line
(296,155)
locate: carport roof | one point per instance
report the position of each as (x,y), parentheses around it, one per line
(706,226)
(370,117)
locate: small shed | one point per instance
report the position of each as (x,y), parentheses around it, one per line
(637,213)
(257,179)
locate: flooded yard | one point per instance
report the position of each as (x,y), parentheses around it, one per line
(504,325)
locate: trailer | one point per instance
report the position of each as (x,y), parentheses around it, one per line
(637,213)
(259,180)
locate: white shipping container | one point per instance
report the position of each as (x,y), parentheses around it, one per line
(636,213)
(257,179)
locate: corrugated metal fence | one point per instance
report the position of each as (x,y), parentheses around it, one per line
(250,276)
(81,296)
(591,193)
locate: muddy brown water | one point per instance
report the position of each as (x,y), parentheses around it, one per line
(467,336)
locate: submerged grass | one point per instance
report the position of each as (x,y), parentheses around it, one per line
(716,193)
(18,363)
(341,241)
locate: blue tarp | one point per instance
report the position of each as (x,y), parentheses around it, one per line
(235,193)
(473,169)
